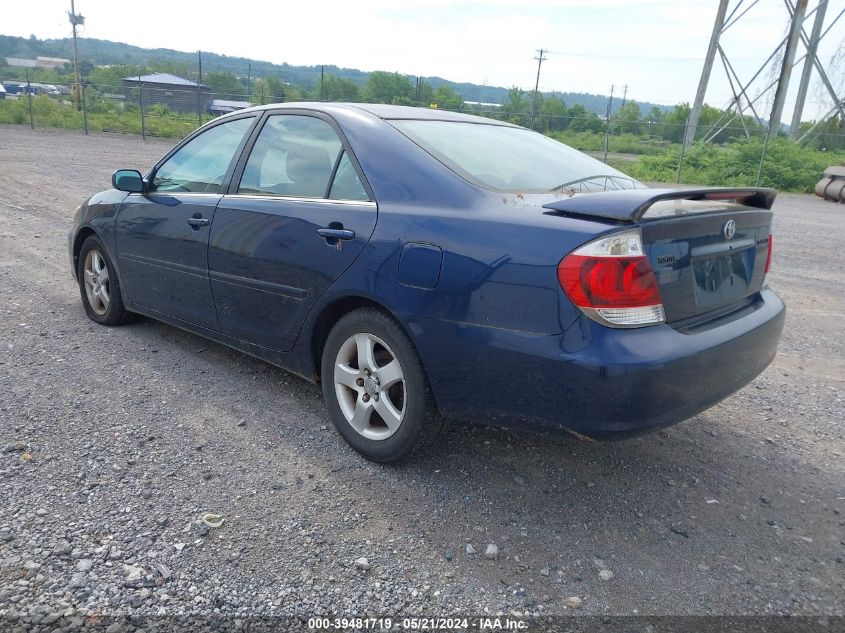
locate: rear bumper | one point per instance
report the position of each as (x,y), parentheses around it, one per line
(596,381)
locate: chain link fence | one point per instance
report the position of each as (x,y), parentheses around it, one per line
(733,155)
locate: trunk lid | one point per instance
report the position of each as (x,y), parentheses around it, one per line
(707,247)
(710,263)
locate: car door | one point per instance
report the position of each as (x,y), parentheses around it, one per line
(297,215)
(162,234)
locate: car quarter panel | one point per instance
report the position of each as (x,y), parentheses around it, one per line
(596,381)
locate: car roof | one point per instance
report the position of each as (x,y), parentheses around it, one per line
(382,111)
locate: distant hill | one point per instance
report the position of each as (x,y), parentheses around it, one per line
(103,52)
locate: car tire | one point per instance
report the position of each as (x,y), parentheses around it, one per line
(376,389)
(101,296)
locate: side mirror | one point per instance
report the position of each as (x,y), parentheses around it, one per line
(127,180)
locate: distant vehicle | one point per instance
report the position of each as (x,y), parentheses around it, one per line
(13,87)
(20,87)
(425,265)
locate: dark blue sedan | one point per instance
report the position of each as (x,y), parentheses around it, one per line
(425,265)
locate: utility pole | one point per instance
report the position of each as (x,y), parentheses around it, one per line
(718,25)
(795,28)
(322,69)
(540,59)
(248,80)
(624,95)
(29,97)
(141,107)
(809,62)
(74,21)
(607,127)
(199,90)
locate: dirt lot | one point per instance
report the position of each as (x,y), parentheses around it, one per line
(136,431)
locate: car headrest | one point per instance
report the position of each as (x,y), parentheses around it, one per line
(307,163)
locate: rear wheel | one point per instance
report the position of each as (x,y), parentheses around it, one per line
(375,388)
(98,285)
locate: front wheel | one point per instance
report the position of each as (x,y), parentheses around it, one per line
(375,388)
(98,285)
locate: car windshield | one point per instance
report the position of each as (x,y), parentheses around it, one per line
(511,158)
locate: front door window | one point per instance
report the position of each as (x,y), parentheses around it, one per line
(201,164)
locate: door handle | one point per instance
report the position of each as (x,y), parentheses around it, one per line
(195,223)
(336,234)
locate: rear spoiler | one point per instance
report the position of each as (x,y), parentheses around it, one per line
(629,205)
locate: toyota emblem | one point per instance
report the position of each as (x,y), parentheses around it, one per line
(729,229)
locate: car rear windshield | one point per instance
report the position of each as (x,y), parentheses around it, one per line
(511,158)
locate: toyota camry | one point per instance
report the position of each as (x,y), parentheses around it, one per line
(426,266)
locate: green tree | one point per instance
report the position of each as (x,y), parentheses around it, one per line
(278,90)
(384,87)
(583,120)
(674,123)
(338,89)
(447,97)
(109,78)
(225,85)
(628,119)
(85,68)
(516,106)
(826,135)
(424,94)
(553,112)
(261,92)
(655,115)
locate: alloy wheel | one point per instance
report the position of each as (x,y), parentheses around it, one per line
(96,282)
(370,386)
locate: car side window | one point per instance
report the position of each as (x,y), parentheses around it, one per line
(293,156)
(200,165)
(346,184)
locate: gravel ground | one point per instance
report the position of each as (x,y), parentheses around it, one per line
(115,441)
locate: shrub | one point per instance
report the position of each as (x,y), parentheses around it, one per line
(788,166)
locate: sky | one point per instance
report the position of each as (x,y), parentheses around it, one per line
(655,47)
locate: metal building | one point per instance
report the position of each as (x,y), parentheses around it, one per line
(177,93)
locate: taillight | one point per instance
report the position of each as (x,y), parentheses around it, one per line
(769,254)
(612,282)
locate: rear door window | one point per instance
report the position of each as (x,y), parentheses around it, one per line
(346,184)
(294,155)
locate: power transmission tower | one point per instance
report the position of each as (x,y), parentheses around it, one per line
(742,103)
(807,71)
(718,28)
(76,20)
(540,59)
(796,25)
